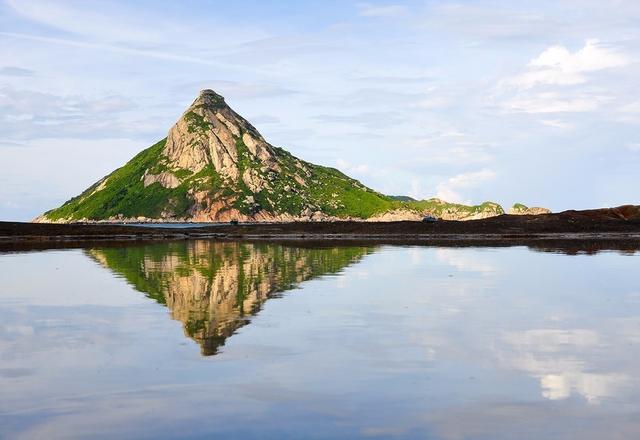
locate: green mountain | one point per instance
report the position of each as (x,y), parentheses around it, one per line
(215,166)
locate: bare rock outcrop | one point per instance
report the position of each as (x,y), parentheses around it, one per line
(166,179)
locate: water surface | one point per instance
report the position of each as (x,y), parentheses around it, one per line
(199,339)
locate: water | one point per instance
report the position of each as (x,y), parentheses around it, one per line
(227,340)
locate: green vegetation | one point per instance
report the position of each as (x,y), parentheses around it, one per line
(196,123)
(123,192)
(403,198)
(439,208)
(326,189)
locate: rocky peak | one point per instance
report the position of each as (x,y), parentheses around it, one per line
(211,98)
(211,133)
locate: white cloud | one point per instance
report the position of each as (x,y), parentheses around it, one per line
(558,66)
(560,81)
(449,190)
(369,10)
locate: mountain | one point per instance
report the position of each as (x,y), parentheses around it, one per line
(520,209)
(215,166)
(215,288)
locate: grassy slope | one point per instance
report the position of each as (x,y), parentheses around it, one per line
(124,193)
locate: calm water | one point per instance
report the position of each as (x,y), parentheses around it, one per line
(227,340)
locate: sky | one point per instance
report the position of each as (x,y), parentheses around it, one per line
(509,101)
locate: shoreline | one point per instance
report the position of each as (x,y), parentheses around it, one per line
(575,230)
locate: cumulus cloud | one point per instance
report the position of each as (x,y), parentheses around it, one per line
(558,66)
(560,81)
(450,189)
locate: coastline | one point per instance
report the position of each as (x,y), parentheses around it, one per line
(575,226)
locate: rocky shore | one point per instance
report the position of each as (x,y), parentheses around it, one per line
(621,223)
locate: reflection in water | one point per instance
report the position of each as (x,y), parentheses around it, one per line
(556,358)
(412,342)
(214,288)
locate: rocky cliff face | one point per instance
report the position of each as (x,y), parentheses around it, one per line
(215,288)
(520,209)
(215,166)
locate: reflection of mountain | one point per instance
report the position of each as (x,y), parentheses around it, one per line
(214,288)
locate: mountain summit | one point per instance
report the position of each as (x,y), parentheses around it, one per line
(215,166)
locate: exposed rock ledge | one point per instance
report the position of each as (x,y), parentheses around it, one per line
(166,179)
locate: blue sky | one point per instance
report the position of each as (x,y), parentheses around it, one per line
(533,102)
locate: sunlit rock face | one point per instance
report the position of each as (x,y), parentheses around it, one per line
(214,288)
(209,132)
